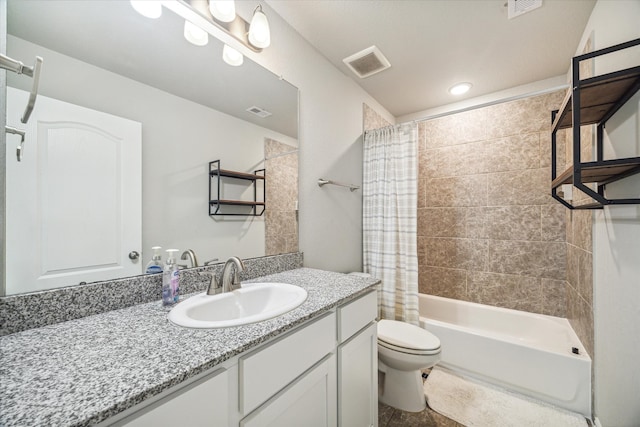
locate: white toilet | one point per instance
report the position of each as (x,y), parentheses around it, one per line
(403,350)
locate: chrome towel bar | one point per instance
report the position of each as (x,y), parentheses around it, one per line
(323,181)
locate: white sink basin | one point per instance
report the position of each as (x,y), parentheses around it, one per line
(253,302)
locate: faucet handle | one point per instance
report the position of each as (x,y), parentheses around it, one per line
(214,285)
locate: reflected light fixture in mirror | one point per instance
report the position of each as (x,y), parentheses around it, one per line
(259,33)
(223,10)
(148,8)
(232,56)
(195,34)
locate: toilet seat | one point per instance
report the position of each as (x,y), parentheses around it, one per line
(406,338)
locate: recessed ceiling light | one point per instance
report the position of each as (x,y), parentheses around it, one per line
(460,88)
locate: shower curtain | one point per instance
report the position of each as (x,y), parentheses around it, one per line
(390,198)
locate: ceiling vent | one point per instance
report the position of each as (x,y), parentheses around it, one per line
(519,7)
(260,112)
(367,62)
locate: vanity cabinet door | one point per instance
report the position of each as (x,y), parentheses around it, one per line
(357,379)
(203,403)
(309,401)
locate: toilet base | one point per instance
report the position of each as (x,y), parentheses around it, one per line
(402,389)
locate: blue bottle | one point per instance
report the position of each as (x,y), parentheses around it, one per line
(155,265)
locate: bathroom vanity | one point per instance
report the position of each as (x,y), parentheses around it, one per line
(315,365)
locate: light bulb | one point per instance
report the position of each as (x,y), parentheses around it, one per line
(223,10)
(232,56)
(148,8)
(460,88)
(195,34)
(259,34)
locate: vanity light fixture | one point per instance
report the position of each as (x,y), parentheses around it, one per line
(223,10)
(460,88)
(232,56)
(218,18)
(259,33)
(195,34)
(148,8)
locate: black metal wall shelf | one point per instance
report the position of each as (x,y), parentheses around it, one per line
(256,207)
(594,101)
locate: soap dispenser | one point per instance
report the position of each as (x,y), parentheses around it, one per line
(170,279)
(155,265)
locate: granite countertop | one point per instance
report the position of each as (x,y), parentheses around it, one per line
(84,371)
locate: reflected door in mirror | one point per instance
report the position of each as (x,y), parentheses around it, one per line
(80,180)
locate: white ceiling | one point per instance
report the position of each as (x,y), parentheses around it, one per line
(433,44)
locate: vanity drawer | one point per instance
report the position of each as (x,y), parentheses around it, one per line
(356,315)
(269,369)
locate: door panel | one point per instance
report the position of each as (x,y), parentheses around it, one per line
(74,201)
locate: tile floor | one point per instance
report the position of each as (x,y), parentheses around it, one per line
(391,417)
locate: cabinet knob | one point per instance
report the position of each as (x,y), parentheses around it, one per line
(134,255)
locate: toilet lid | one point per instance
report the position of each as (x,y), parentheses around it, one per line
(406,336)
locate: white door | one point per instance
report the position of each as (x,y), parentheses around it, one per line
(74,201)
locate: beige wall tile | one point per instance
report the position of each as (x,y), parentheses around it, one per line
(442,222)
(582,234)
(422,189)
(371,118)
(580,315)
(513,223)
(553,223)
(457,160)
(573,262)
(568,218)
(458,191)
(537,259)
(514,152)
(442,282)
(455,129)
(585,275)
(561,150)
(466,254)
(476,223)
(526,187)
(505,290)
(554,297)
(522,116)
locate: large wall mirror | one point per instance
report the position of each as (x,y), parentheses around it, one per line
(117,151)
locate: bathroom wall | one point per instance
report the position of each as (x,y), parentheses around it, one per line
(616,233)
(281,215)
(488,230)
(330,134)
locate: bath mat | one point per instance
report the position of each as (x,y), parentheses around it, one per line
(482,405)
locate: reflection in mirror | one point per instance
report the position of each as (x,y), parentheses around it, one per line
(87,197)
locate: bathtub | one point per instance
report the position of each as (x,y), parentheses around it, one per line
(527,353)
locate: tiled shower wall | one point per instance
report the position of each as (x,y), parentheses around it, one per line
(579,237)
(281,192)
(371,119)
(488,229)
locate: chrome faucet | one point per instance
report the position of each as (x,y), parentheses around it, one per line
(229,282)
(191,256)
